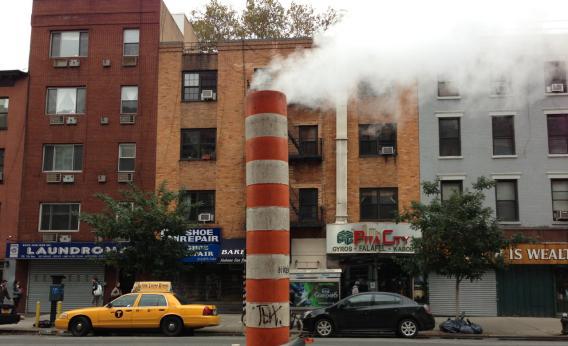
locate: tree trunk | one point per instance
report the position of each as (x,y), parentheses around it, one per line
(458,281)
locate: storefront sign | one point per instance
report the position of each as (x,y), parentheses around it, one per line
(59,250)
(541,253)
(369,237)
(305,294)
(203,253)
(233,251)
(200,235)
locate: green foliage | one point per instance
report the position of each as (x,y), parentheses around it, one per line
(460,237)
(146,222)
(261,19)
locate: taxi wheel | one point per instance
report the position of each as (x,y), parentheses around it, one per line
(80,326)
(172,326)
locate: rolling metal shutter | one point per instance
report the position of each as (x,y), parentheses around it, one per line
(478,298)
(78,275)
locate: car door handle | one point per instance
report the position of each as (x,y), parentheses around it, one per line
(128,310)
(161,309)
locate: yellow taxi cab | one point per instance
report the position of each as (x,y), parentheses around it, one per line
(151,305)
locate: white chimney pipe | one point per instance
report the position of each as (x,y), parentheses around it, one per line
(341,160)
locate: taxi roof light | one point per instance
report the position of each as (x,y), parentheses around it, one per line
(152,286)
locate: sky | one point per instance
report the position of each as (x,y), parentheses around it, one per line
(15,24)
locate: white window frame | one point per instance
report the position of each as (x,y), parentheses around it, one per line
(447,79)
(122,99)
(78,47)
(515,116)
(121,157)
(58,231)
(509,176)
(124,42)
(76,99)
(73,164)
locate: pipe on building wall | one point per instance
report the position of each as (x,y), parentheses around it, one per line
(268,219)
(341,160)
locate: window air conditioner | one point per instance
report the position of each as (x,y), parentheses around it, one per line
(68,178)
(557,87)
(205,217)
(387,151)
(53,177)
(102,178)
(104,120)
(50,237)
(125,177)
(71,120)
(74,63)
(106,62)
(207,95)
(59,62)
(56,120)
(127,118)
(129,60)
(561,215)
(65,238)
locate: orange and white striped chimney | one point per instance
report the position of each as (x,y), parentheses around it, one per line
(268,219)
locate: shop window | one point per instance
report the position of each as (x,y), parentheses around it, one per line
(450,138)
(560,199)
(68,44)
(503,135)
(4,101)
(507,208)
(555,77)
(378,204)
(126,157)
(198,144)
(308,204)
(308,140)
(152,300)
(62,157)
(557,133)
(202,205)
(200,86)
(66,100)
(131,38)
(377,139)
(448,188)
(129,100)
(59,217)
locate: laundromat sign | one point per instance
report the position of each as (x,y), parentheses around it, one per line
(539,253)
(369,237)
(59,250)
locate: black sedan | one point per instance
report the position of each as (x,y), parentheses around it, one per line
(371,312)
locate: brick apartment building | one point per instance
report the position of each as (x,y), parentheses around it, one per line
(201,138)
(91,128)
(13,100)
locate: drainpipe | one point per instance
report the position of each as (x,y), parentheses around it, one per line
(341,160)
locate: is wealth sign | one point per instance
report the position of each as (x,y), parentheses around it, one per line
(370,237)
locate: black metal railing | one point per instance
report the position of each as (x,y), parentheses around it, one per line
(305,149)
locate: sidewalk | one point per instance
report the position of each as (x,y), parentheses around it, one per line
(533,328)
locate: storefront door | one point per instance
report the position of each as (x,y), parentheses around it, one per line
(526,290)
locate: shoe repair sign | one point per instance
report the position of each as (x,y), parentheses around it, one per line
(370,237)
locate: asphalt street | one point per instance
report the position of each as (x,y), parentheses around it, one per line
(16,340)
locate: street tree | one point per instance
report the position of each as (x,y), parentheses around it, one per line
(460,239)
(145,224)
(217,22)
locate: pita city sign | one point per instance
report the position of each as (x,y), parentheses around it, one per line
(539,253)
(370,237)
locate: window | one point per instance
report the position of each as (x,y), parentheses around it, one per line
(152,300)
(557,134)
(125,301)
(62,157)
(129,100)
(360,300)
(450,142)
(1,165)
(501,85)
(68,44)
(555,77)
(126,157)
(450,187)
(379,204)
(560,199)
(198,144)
(373,137)
(4,113)
(66,100)
(131,42)
(308,140)
(507,208)
(308,204)
(200,202)
(503,135)
(194,83)
(386,299)
(447,88)
(59,217)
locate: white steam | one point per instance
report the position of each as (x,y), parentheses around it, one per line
(390,43)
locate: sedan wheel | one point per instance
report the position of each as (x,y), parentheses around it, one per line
(407,328)
(80,326)
(324,328)
(172,326)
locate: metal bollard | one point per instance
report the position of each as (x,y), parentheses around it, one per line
(59,307)
(38,310)
(564,322)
